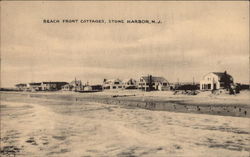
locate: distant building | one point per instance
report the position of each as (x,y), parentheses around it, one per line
(216,80)
(21,86)
(96,87)
(40,86)
(129,84)
(34,86)
(149,83)
(67,87)
(112,84)
(87,88)
(52,86)
(92,88)
(75,85)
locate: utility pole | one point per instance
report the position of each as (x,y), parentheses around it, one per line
(75,84)
(150,84)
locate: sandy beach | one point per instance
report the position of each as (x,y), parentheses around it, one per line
(73,124)
(202,103)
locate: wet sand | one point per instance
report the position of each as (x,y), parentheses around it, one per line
(203,103)
(66,124)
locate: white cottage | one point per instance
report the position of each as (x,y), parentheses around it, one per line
(112,84)
(216,80)
(22,86)
(129,84)
(75,85)
(149,83)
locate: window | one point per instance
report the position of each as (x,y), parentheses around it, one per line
(209,86)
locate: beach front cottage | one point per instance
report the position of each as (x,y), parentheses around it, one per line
(112,84)
(21,86)
(129,84)
(96,87)
(40,86)
(67,87)
(216,80)
(34,86)
(52,86)
(75,85)
(150,83)
(92,88)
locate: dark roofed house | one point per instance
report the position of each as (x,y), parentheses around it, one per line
(67,87)
(149,83)
(129,84)
(75,85)
(40,86)
(21,86)
(112,84)
(52,86)
(92,88)
(216,80)
(34,86)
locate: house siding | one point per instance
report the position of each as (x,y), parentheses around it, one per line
(212,81)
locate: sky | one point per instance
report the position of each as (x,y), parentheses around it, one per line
(193,39)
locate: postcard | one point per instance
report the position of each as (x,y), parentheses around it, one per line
(125,79)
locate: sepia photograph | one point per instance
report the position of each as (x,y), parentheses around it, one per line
(124,79)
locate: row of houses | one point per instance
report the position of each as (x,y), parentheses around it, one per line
(210,81)
(147,83)
(77,85)
(41,86)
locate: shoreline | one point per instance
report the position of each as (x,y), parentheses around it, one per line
(218,105)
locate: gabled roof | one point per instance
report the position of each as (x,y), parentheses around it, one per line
(221,74)
(35,83)
(55,82)
(21,84)
(113,80)
(76,82)
(154,79)
(127,80)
